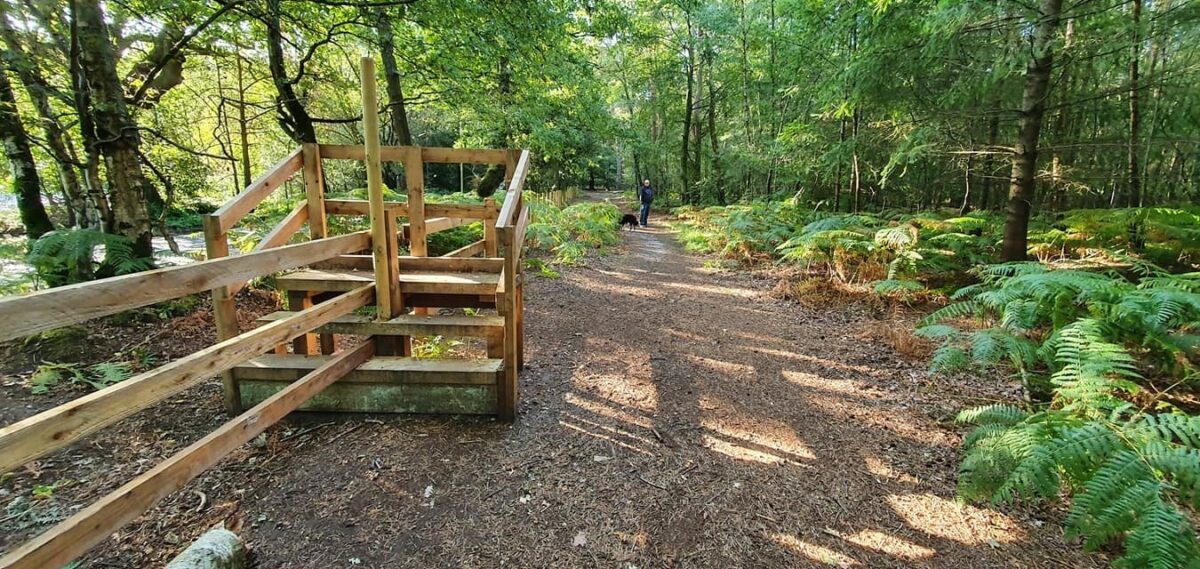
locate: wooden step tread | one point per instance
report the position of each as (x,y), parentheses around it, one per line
(408,325)
(379,369)
(420,283)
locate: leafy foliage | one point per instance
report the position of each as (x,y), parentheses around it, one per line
(1092,338)
(70,255)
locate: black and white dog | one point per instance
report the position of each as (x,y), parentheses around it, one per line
(628,219)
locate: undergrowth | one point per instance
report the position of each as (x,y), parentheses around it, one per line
(570,233)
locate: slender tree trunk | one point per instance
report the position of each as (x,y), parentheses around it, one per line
(1135,177)
(26,184)
(243,124)
(718,178)
(684,165)
(397,113)
(1033,107)
(293,116)
(116,131)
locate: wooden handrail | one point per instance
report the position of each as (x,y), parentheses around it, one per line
(285,229)
(78,533)
(400,209)
(55,428)
(53,308)
(258,190)
(515,187)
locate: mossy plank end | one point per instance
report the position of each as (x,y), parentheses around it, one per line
(385,398)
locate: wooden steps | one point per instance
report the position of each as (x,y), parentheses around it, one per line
(381,384)
(408,325)
(316,280)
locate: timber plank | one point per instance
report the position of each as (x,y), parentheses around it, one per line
(408,325)
(379,369)
(56,307)
(55,428)
(388,398)
(234,210)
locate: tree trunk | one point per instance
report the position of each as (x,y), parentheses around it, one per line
(718,179)
(397,113)
(243,125)
(293,117)
(1135,177)
(26,184)
(78,214)
(1033,107)
(116,132)
(685,168)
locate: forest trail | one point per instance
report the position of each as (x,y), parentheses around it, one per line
(671,416)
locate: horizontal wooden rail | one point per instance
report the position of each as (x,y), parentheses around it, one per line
(400,209)
(55,428)
(361,207)
(515,187)
(234,210)
(428,155)
(75,535)
(57,307)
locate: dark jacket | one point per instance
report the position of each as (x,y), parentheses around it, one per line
(646,194)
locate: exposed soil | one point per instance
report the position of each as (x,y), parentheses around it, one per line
(671,416)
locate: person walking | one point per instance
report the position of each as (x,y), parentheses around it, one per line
(646,195)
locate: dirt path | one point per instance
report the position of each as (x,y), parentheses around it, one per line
(671,416)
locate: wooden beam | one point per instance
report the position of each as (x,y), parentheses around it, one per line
(436,225)
(383,239)
(448,264)
(216,245)
(55,428)
(363,207)
(408,325)
(463,155)
(234,210)
(507,396)
(75,535)
(396,154)
(314,189)
(283,232)
(469,250)
(519,233)
(465,211)
(489,231)
(56,307)
(515,187)
(414,178)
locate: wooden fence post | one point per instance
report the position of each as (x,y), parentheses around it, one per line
(216,245)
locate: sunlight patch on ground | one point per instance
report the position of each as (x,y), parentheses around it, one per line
(706,289)
(728,368)
(814,381)
(890,544)
(812,359)
(616,437)
(947,519)
(814,552)
(589,283)
(621,377)
(895,420)
(879,468)
(607,411)
(755,440)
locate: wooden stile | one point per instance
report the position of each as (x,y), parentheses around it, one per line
(75,535)
(397,154)
(57,307)
(55,428)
